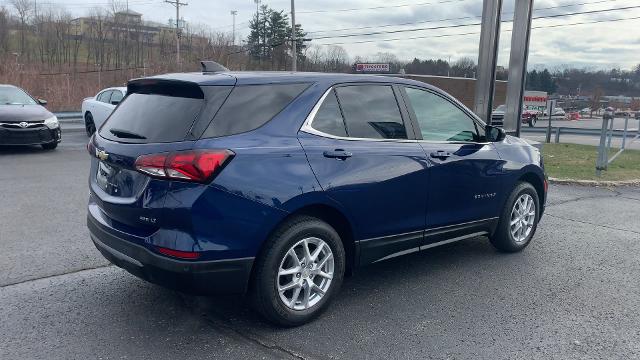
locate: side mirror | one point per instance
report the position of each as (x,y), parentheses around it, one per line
(115,102)
(494,134)
(42,102)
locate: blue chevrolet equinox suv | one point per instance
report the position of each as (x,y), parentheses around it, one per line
(278,184)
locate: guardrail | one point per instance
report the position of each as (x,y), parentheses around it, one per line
(68,115)
(558,130)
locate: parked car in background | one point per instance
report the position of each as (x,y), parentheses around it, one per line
(25,121)
(585,111)
(556,112)
(529,117)
(637,115)
(623,112)
(97,109)
(277,184)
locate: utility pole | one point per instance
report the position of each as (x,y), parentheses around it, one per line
(177,4)
(294,42)
(234,13)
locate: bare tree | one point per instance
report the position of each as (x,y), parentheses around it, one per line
(337,58)
(595,100)
(4,30)
(24,9)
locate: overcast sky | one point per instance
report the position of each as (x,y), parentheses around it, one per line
(602,45)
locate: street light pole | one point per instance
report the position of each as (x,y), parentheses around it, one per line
(234,13)
(294,42)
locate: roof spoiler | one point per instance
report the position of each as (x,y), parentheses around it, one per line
(209,66)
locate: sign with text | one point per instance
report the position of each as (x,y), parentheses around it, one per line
(535,98)
(372,68)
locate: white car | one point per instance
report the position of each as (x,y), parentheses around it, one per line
(97,109)
(556,112)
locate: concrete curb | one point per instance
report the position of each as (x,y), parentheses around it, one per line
(607,183)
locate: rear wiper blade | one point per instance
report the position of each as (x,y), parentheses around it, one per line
(126,134)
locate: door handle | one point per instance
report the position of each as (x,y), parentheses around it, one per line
(337,154)
(440,154)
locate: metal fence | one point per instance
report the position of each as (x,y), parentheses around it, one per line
(606,134)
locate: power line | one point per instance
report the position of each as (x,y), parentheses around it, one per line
(456,18)
(380,7)
(471,24)
(477,32)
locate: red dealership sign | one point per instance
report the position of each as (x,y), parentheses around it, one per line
(372,67)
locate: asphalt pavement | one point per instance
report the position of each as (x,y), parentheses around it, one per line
(572,294)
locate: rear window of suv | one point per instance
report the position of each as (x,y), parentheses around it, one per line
(149,118)
(251,106)
(156,111)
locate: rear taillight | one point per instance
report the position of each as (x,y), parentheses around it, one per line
(192,165)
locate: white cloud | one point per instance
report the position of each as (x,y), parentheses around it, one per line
(597,45)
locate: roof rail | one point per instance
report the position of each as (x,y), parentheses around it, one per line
(209,66)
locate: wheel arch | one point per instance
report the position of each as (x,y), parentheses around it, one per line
(538,183)
(332,216)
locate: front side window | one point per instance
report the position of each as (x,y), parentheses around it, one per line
(371,111)
(116,96)
(439,119)
(104,96)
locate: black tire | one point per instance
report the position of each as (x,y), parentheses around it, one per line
(532,122)
(264,290)
(502,239)
(50,146)
(89,125)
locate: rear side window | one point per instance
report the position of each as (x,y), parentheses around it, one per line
(251,106)
(371,111)
(329,119)
(148,118)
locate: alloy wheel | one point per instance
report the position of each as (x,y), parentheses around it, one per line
(305,273)
(523,216)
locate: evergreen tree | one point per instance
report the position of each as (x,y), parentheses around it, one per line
(270,38)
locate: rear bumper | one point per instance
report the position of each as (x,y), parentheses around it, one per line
(29,136)
(196,277)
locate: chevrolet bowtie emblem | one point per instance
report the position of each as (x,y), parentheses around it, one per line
(102,155)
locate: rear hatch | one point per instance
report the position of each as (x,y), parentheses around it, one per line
(157,116)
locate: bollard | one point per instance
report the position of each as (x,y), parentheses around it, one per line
(601,161)
(624,135)
(610,135)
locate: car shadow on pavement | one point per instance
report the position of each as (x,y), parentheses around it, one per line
(19,150)
(373,288)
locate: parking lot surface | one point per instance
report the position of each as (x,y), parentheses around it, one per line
(572,294)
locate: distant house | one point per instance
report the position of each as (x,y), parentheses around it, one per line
(125,23)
